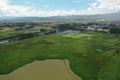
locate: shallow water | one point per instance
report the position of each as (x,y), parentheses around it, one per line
(43,70)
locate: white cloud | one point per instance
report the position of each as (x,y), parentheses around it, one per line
(6,9)
(98,7)
(12,10)
(105,6)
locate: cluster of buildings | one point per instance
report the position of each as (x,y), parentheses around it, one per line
(97,29)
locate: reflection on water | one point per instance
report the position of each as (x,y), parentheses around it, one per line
(43,70)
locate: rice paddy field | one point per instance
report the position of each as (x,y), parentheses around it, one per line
(92,56)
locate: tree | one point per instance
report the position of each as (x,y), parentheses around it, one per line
(43,30)
(115,30)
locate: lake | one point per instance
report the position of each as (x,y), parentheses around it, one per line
(43,70)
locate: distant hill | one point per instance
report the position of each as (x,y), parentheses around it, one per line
(103,17)
(106,17)
(109,17)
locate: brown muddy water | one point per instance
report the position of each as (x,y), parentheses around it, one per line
(43,70)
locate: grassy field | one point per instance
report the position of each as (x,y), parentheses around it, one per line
(93,56)
(9,32)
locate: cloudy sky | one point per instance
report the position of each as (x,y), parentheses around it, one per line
(43,8)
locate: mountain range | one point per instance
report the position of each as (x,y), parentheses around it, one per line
(100,17)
